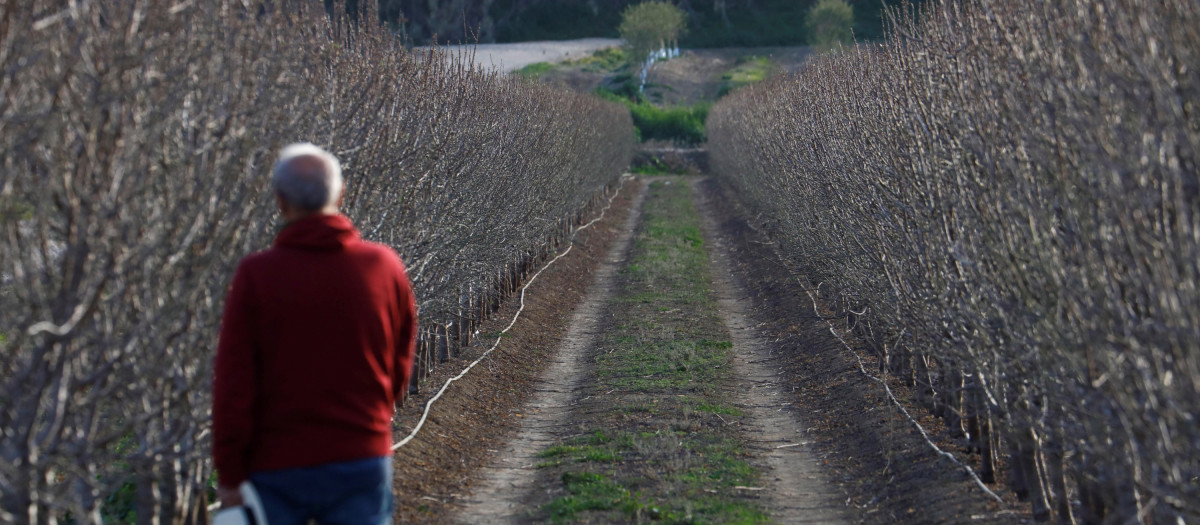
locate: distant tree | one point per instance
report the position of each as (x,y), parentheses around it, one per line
(649,26)
(830,25)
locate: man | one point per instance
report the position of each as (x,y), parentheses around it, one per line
(316,349)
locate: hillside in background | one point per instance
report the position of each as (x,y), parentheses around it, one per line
(711,23)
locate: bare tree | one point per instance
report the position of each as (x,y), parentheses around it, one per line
(136,137)
(1004,199)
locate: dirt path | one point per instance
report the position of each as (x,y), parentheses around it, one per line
(623,453)
(483,410)
(504,483)
(698,384)
(795,486)
(883,466)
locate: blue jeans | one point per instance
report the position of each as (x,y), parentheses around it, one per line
(355,492)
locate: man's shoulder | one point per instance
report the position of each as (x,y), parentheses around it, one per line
(257,260)
(374,254)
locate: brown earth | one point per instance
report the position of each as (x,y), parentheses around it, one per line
(499,495)
(883,469)
(886,470)
(668,438)
(480,412)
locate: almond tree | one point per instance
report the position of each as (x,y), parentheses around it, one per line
(137,138)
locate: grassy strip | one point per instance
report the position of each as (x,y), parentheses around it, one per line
(535,70)
(660,440)
(605,60)
(748,70)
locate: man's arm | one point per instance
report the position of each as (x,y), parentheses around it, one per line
(406,338)
(233,384)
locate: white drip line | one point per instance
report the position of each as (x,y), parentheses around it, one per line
(214,506)
(862,368)
(429,404)
(970,471)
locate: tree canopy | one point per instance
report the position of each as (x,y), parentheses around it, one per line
(649,26)
(830,25)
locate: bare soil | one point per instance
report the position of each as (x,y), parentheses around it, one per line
(888,474)
(478,415)
(504,482)
(797,488)
(828,444)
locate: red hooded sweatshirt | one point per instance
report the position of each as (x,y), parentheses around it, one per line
(316,347)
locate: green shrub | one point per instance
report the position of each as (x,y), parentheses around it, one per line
(830,25)
(682,124)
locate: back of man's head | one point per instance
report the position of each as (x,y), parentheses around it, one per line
(307,177)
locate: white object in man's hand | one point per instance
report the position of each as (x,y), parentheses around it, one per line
(240,506)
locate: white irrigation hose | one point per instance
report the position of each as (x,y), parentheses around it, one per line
(429,404)
(862,368)
(904,410)
(213,507)
(888,389)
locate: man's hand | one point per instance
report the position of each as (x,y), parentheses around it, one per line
(230,497)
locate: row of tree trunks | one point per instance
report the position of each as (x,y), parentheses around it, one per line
(1032,461)
(438,342)
(957,398)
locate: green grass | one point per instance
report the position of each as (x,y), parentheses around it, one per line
(748,70)
(596,448)
(661,445)
(681,365)
(715,466)
(606,60)
(589,491)
(535,70)
(726,410)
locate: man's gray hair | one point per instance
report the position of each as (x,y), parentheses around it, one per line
(302,186)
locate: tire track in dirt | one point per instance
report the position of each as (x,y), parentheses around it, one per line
(510,476)
(796,489)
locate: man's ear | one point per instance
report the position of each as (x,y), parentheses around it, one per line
(341,198)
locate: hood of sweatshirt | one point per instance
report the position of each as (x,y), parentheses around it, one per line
(318,232)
